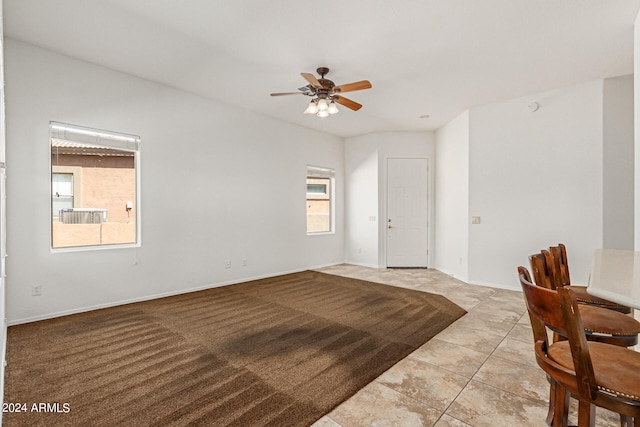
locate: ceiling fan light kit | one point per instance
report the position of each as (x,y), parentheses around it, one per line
(320,108)
(324,94)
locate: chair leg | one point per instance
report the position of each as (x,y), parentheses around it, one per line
(561,406)
(586,414)
(625,421)
(552,401)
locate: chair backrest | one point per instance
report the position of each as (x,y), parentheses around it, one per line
(559,253)
(544,271)
(555,269)
(542,304)
(558,310)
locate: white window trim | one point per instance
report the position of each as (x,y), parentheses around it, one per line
(324,172)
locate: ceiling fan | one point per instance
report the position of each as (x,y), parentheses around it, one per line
(325,94)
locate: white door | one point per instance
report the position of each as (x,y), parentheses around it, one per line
(407,213)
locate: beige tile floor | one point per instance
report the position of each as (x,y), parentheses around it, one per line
(480,371)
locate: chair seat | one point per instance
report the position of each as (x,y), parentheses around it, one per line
(604,321)
(585,297)
(617,369)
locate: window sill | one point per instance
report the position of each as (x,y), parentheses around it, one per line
(94,248)
(321,233)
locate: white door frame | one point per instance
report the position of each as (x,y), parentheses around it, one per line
(430,189)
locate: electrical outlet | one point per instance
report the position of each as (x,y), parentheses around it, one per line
(36,290)
(227,264)
(244,262)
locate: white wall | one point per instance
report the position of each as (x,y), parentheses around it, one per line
(452,198)
(536,180)
(618,188)
(365,168)
(218,183)
(636,138)
(3,306)
(361,205)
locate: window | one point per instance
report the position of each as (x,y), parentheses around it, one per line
(61,192)
(94,187)
(317,188)
(320,183)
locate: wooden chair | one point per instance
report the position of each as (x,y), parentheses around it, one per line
(558,254)
(600,324)
(597,374)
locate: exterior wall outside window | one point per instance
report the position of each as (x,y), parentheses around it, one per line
(101,182)
(318,205)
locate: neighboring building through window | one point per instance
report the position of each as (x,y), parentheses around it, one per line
(94,187)
(320,183)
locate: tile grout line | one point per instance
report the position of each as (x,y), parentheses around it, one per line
(471,379)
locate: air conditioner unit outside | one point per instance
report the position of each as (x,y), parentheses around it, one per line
(83,216)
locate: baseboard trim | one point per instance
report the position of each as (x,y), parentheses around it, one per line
(156,296)
(496,285)
(363,264)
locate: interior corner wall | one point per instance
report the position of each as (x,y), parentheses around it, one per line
(218,183)
(452,198)
(636,138)
(535,180)
(361,203)
(3,229)
(618,175)
(365,170)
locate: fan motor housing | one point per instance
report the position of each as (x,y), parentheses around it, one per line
(328,84)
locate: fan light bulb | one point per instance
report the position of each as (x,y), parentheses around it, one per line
(333,108)
(312,108)
(322,105)
(322,113)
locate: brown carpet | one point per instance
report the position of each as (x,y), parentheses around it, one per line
(278,352)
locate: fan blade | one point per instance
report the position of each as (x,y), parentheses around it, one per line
(311,79)
(350,87)
(347,103)
(287,93)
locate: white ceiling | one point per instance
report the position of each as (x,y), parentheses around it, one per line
(436,57)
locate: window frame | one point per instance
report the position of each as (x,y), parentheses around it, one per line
(318,172)
(105,139)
